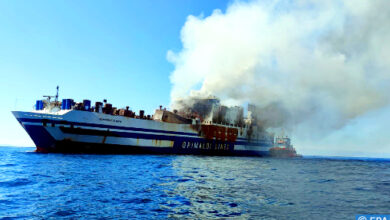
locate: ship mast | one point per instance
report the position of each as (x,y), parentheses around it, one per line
(56,97)
(56,100)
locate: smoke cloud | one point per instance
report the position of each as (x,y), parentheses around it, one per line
(312,66)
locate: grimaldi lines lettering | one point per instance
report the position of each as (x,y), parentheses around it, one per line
(206,145)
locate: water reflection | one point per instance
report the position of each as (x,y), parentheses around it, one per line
(212,187)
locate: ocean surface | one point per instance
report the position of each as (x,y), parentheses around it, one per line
(56,186)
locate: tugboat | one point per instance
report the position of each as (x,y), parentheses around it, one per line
(283,148)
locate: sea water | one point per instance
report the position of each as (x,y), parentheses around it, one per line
(75,186)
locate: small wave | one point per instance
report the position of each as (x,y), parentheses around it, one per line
(8,165)
(162,166)
(233,205)
(64,213)
(360,189)
(384,183)
(233,214)
(323,180)
(6,202)
(16,182)
(138,200)
(40,175)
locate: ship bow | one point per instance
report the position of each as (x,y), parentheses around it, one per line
(34,127)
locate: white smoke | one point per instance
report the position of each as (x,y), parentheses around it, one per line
(317,64)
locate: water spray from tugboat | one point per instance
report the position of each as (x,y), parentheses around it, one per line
(311,67)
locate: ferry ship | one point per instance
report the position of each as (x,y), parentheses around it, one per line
(205,127)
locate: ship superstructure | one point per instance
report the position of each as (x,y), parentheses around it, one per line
(204,128)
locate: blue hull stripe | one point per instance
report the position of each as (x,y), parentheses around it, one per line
(82,131)
(104,126)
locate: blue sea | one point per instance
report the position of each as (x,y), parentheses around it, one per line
(61,186)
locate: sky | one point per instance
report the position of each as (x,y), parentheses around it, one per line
(323,66)
(114,50)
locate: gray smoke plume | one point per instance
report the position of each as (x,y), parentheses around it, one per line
(311,66)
